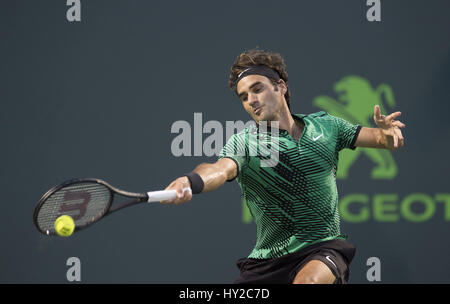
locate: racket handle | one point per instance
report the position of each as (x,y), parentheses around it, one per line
(163,195)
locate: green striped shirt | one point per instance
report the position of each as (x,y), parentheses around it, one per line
(293,200)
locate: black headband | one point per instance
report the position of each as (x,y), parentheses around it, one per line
(259,70)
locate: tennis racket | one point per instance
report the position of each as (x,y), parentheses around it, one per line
(88,200)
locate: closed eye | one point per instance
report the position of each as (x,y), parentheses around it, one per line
(257,87)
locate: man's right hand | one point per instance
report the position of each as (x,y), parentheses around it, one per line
(182,196)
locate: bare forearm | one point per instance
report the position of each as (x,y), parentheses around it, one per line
(213,175)
(374,138)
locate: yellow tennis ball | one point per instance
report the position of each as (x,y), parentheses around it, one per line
(64,225)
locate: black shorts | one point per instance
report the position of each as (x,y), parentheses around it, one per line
(336,254)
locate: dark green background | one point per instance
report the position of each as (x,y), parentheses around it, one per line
(97,98)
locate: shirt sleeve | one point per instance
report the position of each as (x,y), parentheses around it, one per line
(347,133)
(236,150)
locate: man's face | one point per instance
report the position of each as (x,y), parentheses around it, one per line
(260,98)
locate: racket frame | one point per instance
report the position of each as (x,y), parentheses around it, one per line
(138,198)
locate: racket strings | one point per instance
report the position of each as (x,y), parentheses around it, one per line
(84,202)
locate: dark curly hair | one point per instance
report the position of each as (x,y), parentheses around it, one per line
(259,57)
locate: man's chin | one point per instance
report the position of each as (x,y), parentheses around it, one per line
(266,117)
(265,120)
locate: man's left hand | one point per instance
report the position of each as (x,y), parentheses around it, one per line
(389,128)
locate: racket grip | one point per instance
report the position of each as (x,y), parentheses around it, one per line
(156,196)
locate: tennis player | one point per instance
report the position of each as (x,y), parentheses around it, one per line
(295,202)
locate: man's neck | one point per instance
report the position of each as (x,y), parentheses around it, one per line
(287,122)
(292,126)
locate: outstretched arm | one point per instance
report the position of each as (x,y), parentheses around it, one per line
(386,136)
(213,176)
